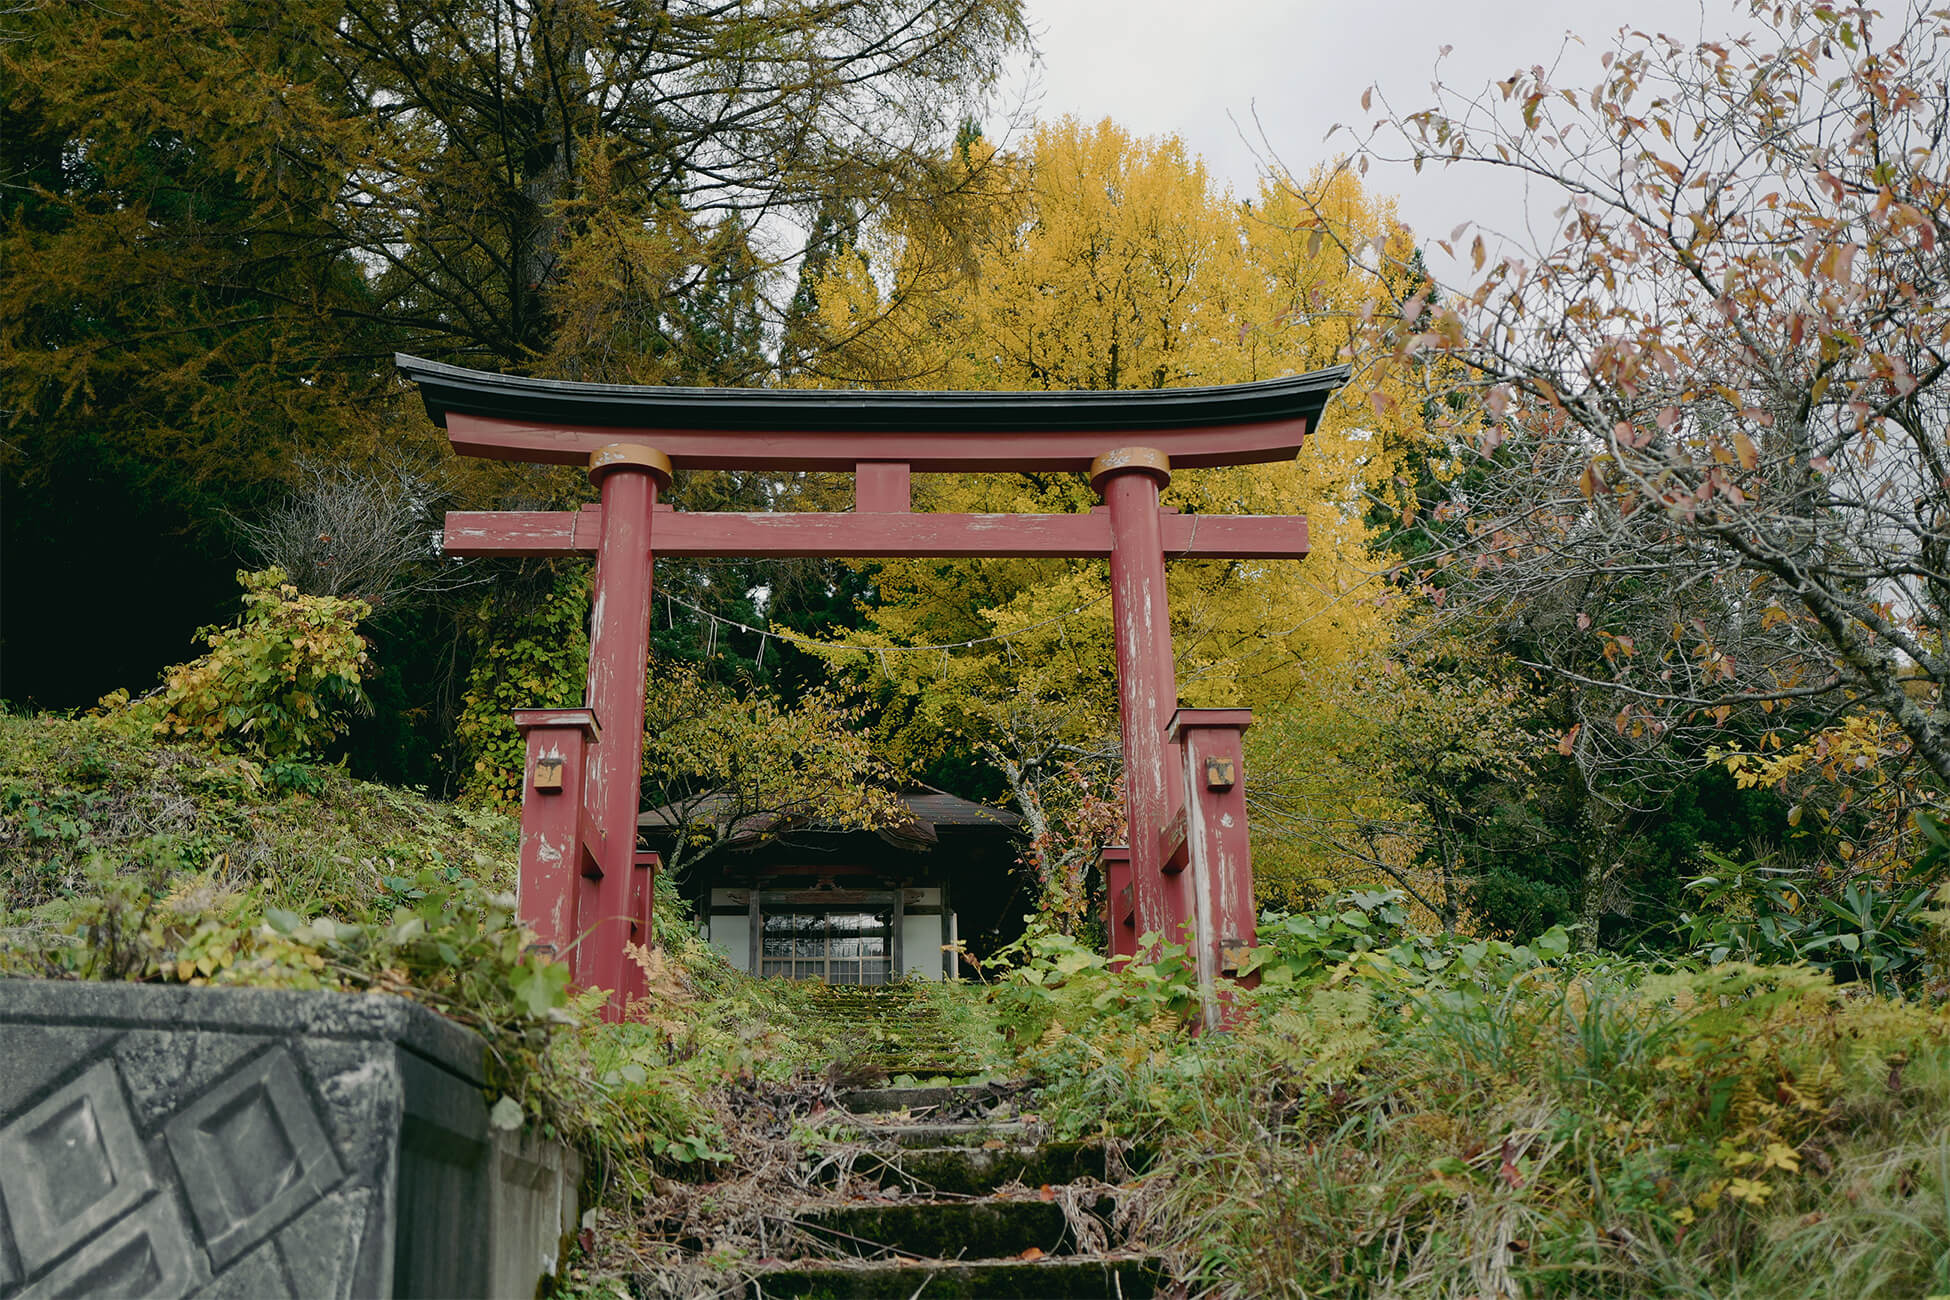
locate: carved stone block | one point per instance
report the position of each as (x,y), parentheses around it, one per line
(251,1154)
(170,1142)
(148,1253)
(70,1166)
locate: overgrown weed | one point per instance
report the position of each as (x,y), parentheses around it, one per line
(1410,1118)
(77,795)
(1391,1114)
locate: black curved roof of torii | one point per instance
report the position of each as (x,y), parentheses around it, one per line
(448,390)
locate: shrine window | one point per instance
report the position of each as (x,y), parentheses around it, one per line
(837,947)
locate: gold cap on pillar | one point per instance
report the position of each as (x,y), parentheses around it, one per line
(622,455)
(1148,459)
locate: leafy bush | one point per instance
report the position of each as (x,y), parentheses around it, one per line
(1308,945)
(1399,1114)
(1867,929)
(278,683)
(1099,1034)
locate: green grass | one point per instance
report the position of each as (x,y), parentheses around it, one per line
(1553,1129)
(1415,1120)
(76,798)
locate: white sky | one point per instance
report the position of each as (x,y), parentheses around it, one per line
(1203,68)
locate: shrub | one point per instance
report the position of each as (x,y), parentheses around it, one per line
(1866,929)
(1406,1115)
(278,683)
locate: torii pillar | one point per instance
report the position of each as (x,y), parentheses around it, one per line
(1129,480)
(628,476)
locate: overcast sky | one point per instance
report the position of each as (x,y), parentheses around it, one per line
(1203,68)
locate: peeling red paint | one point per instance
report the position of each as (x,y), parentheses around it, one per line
(1219,855)
(1146,688)
(879,531)
(619,648)
(552,822)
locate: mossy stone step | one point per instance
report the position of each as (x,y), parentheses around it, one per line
(892,1027)
(880,1101)
(1132,1277)
(1008,1132)
(981,1229)
(958,1163)
(975,1171)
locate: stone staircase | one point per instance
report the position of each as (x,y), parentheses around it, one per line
(944,1192)
(889,1028)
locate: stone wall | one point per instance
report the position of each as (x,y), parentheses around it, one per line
(168,1141)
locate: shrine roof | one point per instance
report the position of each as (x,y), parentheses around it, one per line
(447,389)
(927,811)
(513,417)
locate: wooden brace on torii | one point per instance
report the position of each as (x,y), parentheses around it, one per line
(1186,872)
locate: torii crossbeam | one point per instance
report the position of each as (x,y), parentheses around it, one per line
(580,877)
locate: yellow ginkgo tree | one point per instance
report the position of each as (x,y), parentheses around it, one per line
(1115,262)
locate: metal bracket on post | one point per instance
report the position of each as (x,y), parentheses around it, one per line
(1220,862)
(1171,840)
(554,822)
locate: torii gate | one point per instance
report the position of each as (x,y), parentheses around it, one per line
(1186,872)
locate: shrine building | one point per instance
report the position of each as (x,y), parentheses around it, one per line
(850,906)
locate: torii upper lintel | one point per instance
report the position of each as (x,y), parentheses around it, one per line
(507,417)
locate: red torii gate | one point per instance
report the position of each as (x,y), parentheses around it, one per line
(1186,872)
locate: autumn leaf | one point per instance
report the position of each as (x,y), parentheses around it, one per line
(1075,262)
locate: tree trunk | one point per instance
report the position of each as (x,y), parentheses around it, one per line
(1595,844)
(560,93)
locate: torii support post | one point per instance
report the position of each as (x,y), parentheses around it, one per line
(643,921)
(555,854)
(1211,763)
(628,475)
(1120,907)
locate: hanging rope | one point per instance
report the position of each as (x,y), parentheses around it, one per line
(816,646)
